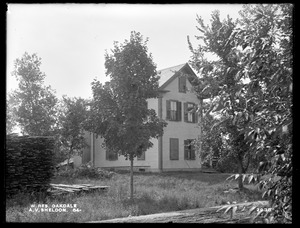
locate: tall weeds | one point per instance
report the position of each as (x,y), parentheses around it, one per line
(154,193)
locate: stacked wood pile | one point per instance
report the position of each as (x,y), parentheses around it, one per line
(58,189)
(29,163)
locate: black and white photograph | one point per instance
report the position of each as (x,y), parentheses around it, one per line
(149,113)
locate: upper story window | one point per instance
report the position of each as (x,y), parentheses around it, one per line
(190,117)
(182,84)
(173,110)
(190,114)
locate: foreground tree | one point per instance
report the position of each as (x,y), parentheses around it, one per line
(119,110)
(220,80)
(72,119)
(255,54)
(36,104)
(268,31)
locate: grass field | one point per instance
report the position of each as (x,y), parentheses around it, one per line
(154,193)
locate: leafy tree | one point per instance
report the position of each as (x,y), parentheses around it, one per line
(211,138)
(268,29)
(11,104)
(36,103)
(255,55)
(72,119)
(119,110)
(220,81)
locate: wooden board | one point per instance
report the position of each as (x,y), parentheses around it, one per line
(57,189)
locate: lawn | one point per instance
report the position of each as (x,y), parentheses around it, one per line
(153,193)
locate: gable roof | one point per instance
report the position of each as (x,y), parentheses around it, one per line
(168,74)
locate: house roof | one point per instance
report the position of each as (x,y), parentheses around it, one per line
(168,74)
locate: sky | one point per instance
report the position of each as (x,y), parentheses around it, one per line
(71,39)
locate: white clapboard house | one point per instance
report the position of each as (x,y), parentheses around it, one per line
(172,151)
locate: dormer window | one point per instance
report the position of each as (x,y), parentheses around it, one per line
(182,84)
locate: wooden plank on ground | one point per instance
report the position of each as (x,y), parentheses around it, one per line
(99,187)
(86,184)
(64,188)
(65,185)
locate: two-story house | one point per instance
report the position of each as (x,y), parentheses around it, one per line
(173,150)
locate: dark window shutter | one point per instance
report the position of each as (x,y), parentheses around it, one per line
(196,117)
(186,149)
(185,106)
(178,111)
(115,156)
(174,149)
(168,107)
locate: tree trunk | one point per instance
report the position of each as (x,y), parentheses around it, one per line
(131,177)
(241,171)
(69,157)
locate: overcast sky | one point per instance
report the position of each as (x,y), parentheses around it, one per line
(71,39)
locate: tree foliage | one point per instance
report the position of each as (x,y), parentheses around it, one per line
(219,79)
(72,120)
(119,110)
(11,105)
(35,112)
(253,76)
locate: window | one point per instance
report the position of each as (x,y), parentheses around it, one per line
(110,155)
(189,150)
(190,114)
(174,149)
(190,117)
(173,110)
(182,84)
(142,156)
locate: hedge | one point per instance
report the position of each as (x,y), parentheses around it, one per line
(29,163)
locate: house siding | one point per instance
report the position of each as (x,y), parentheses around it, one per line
(151,161)
(157,158)
(179,129)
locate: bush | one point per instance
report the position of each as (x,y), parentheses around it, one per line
(86,171)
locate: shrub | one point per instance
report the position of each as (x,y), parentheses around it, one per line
(86,171)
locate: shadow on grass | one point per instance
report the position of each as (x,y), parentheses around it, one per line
(145,204)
